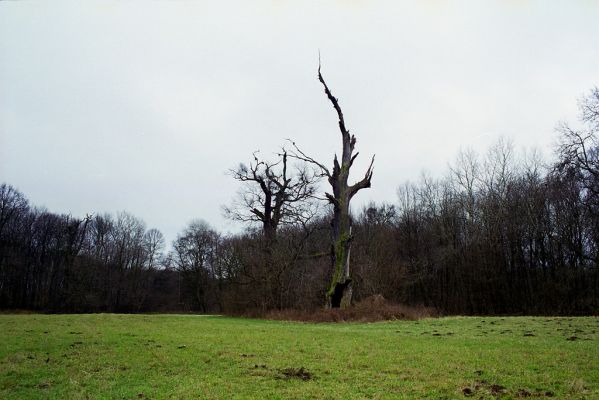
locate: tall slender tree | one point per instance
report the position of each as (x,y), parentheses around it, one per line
(339,293)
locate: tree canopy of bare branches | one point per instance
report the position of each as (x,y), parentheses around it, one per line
(274,193)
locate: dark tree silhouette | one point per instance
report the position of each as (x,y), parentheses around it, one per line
(273,194)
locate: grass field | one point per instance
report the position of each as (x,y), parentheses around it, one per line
(184,356)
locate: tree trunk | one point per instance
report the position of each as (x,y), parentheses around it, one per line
(339,293)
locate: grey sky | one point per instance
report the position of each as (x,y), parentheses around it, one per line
(143,106)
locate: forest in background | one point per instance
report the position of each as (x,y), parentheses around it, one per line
(500,233)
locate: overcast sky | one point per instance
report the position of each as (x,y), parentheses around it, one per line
(143,106)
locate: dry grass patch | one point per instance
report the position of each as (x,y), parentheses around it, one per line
(371,309)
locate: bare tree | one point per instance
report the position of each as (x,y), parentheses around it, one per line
(12,205)
(339,293)
(154,244)
(578,150)
(195,255)
(589,107)
(274,194)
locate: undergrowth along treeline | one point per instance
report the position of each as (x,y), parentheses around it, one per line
(499,234)
(371,309)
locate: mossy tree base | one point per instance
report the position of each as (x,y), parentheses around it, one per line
(341,295)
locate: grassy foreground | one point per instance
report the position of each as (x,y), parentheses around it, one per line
(181,356)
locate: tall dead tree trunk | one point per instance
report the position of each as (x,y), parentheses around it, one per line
(340,290)
(339,293)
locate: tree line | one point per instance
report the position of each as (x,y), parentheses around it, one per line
(499,233)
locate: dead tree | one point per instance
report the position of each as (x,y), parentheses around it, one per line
(339,293)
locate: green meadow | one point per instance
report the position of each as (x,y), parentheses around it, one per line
(109,356)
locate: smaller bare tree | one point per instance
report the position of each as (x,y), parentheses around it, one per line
(274,194)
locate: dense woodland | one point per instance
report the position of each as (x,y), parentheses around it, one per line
(500,233)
